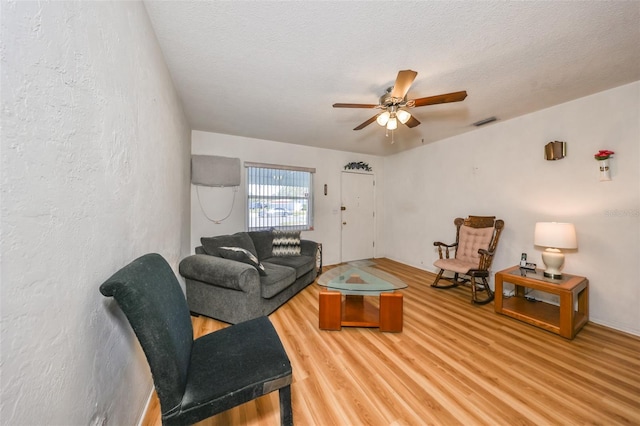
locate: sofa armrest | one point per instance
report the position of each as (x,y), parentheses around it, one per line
(308,248)
(220,272)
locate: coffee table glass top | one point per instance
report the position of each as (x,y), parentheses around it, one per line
(362,280)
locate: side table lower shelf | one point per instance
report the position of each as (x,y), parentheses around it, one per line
(565,320)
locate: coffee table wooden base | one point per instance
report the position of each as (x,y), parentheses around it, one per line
(357,311)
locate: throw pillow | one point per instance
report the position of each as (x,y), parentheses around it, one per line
(239,239)
(242,255)
(286,243)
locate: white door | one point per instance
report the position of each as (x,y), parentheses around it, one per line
(358,216)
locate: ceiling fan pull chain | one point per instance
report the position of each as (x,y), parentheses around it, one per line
(392,135)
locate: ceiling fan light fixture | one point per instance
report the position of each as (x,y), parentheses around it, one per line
(392,124)
(383,118)
(403,116)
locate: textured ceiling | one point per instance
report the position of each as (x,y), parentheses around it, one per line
(272,70)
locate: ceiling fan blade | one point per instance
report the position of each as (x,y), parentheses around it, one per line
(403,82)
(355,105)
(366,123)
(440,99)
(412,122)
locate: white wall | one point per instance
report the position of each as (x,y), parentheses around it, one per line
(500,170)
(328,164)
(95,172)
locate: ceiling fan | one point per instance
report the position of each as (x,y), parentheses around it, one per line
(394,103)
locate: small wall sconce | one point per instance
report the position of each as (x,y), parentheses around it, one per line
(555,150)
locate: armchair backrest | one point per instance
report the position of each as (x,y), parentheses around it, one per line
(475,233)
(150,296)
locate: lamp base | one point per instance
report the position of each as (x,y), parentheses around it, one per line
(553,259)
(552,276)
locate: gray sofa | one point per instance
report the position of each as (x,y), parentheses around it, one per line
(224,282)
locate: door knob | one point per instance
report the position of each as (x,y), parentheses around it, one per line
(344,223)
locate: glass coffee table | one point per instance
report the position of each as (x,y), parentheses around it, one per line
(346,299)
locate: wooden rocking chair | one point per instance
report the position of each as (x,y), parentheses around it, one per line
(476,241)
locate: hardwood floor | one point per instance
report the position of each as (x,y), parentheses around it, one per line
(454,363)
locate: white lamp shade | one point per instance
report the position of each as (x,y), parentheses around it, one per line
(383,118)
(392,124)
(403,116)
(555,235)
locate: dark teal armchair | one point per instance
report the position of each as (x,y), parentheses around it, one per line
(196,379)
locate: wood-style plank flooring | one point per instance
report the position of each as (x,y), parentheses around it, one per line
(454,363)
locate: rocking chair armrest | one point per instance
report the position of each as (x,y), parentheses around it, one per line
(446,248)
(486,257)
(484,252)
(438,243)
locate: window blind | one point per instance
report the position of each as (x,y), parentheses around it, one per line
(279,197)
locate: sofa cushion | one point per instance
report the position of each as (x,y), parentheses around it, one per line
(239,239)
(302,264)
(277,279)
(286,243)
(242,255)
(263,242)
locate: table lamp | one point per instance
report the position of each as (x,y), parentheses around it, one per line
(554,236)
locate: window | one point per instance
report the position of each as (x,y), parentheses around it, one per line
(279,197)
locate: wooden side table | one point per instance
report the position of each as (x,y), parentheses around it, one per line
(565,320)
